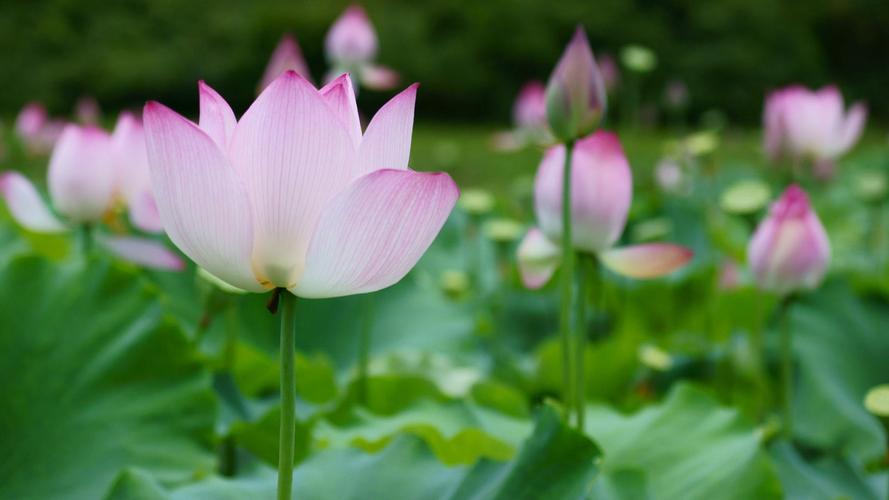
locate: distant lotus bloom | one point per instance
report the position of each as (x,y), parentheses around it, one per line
(801,124)
(36,129)
(529,118)
(789,250)
(609,71)
(84,186)
(133,174)
(575,93)
(351,47)
(293,195)
(601,192)
(287,56)
(87,110)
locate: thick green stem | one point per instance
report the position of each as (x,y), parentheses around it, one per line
(786,369)
(567,280)
(288,396)
(364,350)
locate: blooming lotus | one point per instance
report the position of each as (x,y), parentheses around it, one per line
(811,126)
(287,56)
(575,93)
(36,129)
(601,192)
(85,178)
(351,46)
(789,250)
(293,195)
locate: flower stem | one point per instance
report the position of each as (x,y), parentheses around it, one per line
(567,280)
(786,368)
(86,239)
(583,276)
(288,396)
(364,349)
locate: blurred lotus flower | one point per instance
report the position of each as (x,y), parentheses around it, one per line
(351,47)
(601,192)
(609,71)
(286,57)
(638,58)
(83,184)
(87,111)
(133,175)
(668,175)
(34,127)
(529,118)
(806,125)
(575,93)
(789,250)
(293,195)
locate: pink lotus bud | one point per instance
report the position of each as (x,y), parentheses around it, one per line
(601,191)
(609,71)
(30,120)
(789,250)
(87,110)
(287,56)
(351,40)
(575,94)
(529,110)
(81,174)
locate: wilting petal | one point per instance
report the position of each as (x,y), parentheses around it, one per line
(649,260)
(26,206)
(376,77)
(851,128)
(387,140)
(340,96)
(81,174)
(293,155)
(351,38)
(217,118)
(373,233)
(144,214)
(142,251)
(538,258)
(204,209)
(286,57)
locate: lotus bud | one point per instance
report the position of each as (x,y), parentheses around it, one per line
(575,94)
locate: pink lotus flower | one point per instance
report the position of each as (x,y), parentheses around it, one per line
(287,56)
(36,129)
(601,192)
(83,185)
(789,250)
(806,125)
(133,175)
(575,93)
(351,47)
(529,117)
(293,195)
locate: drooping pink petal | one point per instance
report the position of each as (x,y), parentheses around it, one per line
(81,174)
(293,155)
(26,205)
(377,77)
(648,260)
(387,140)
(286,57)
(538,258)
(374,232)
(351,39)
(340,96)
(851,128)
(144,213)
(205,211)
(142,251)
(216,117)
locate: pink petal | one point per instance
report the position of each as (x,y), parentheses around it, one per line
(286,57)
(204,209)
(30,120)
(649,260)
(293,155)
(144,214)
(529,110)
(387,140)
(217,118)
(538,259)
(373,233)
(376,77)
(26,205)
(142,251)
(81,174)
(851,128)
(340,96)
(351,38)
(131,158)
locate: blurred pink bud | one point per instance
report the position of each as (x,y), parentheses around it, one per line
(668,175)
(293,194)
(575,94)
(87,111)
(810,125)
(287,56)
(789,250)
(38,132)
(609,71)
(81,174)
(133,175)
(529,110)
(351,40)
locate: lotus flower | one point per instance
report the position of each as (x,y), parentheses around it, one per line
(601,192)
(351,46)
(789,250)
(293,195)
(529,117)
(84,185)
(133,174)
(36,129)
(575,93)
(287,56)
(811,126)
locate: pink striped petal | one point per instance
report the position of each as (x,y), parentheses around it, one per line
(81,174)
(26,205)
(387,140)
(142,251)
(286,57)
(646,261)
(340,96)
(293,155)
(376,77)
(204,209)
(373,233)
(130,158)
(538,259)
(217,118)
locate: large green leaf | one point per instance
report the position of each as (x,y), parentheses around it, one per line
(95,379)
(823,478)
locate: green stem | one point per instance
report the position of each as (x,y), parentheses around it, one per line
(786,368)
(86,239)
(759,354)
(567,279)
(364,350)
(288,396)
(584,274)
